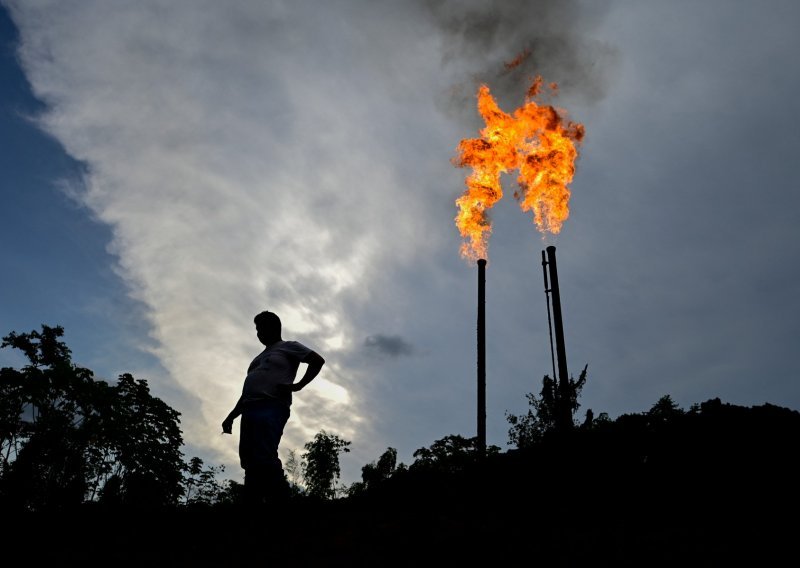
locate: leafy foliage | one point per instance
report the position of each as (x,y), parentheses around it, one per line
(66,438)
(375,473)
(554,400)
(450,454)
(665,410)
(293,469)
(142,443)
(201,486)
(381,470)
(47,414)
(320,464)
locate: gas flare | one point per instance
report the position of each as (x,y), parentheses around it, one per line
(539,142)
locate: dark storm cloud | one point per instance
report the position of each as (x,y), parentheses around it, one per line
(388,346)
(506,44)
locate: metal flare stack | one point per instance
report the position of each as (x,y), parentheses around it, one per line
(550,268)
(481,357)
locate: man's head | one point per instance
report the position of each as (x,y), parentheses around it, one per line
(268,327)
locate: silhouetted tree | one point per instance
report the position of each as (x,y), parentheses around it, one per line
(67,438)
(45,433)
(375,472)
(320,464)
(13,430)
(664,410)
(232,493)
(542,416)
(293,469)
(200,484)
(450,454)
(144,438)
(591,422)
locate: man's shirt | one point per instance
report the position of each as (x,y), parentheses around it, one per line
(276,365)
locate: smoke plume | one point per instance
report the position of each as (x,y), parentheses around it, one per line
(507,43)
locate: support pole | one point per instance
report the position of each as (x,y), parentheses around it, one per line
(565,413)
(549,319)
(481,358)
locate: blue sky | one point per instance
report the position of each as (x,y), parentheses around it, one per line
(59,271)
(169,170)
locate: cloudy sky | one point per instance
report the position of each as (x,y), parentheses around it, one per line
(172,168)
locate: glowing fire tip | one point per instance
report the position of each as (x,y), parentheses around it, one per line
(536,140)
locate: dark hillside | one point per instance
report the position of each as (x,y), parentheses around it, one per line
(707,487)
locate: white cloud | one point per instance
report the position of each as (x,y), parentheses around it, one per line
(242,167)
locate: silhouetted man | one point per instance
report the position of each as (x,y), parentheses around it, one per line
(264,408)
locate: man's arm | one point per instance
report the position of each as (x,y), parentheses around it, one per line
(227,424)
(315,362)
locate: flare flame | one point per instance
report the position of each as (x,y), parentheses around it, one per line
(539,142)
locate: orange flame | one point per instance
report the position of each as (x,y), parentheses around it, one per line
(518,60)
(539,143)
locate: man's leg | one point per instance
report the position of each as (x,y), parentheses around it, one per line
(261,432)
(255,486)
(276,486)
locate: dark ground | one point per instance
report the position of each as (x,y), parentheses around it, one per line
(716,488)
(614,529)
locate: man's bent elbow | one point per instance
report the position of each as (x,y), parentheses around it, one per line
(314,359)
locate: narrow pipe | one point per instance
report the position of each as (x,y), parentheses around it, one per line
(549,320)
(565,414)
(558,324)
(481,358)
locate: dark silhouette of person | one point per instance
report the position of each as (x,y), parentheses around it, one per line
(264,408)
